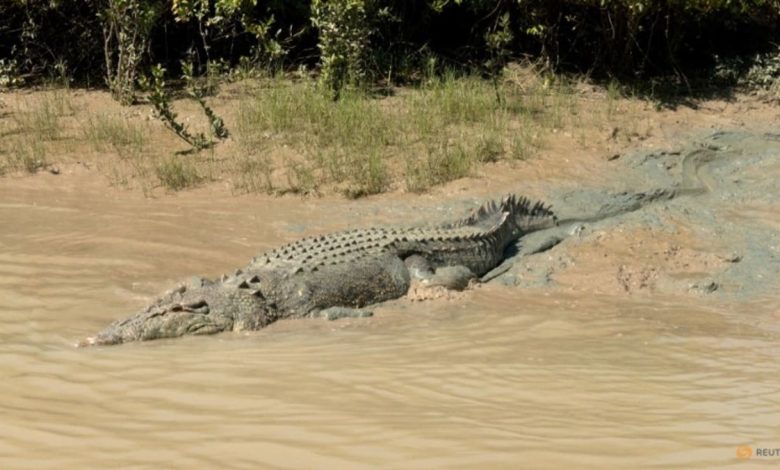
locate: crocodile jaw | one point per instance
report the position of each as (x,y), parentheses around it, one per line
(168,324)
(194,310)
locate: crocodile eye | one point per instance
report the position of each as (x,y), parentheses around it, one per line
(198,307)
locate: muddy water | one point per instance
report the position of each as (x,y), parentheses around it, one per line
(501,377)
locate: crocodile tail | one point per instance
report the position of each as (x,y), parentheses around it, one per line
(529,216)
(526,216)
(487,217)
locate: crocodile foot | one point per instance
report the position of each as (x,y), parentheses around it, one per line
(336,313)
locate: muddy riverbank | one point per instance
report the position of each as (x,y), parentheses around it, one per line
(713,230)
(644,339)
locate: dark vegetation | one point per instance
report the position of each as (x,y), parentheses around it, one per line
(375,42)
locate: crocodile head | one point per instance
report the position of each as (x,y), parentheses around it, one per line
(198,308)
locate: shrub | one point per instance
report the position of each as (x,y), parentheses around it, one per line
(126,28)
(343,28)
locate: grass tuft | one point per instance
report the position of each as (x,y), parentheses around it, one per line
(176,173)
(26,155)
(253,174)
(441,163)
(35,124)
(40,121)
(109,133)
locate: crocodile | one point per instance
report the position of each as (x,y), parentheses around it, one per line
(336,275)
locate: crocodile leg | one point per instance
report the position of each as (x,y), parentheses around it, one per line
(337,313)
(419,268)
(451,277)
(420,271)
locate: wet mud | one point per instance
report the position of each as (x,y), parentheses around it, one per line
(708,210)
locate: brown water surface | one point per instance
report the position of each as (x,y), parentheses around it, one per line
(501,377)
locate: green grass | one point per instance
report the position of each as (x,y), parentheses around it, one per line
(288,109)
(109,133)
(139,163)
(41,120)
(418,138)
(439,164)
(25,154)
(253,174)
(177,173)
(489,148)
(33,126)
(613,95)
(451,100)
(341,142)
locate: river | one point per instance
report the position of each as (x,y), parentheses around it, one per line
(498,377)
